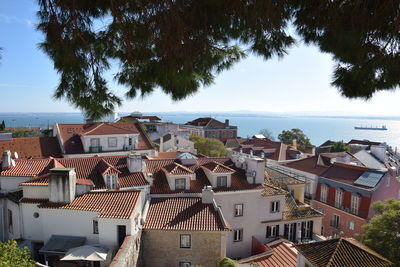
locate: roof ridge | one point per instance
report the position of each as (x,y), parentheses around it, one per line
(334,252)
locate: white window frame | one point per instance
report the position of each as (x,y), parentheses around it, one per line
(351,225)
(355,203)
(338,197)
(180,180)
(237,235)
(275,206)
(223,178)
(111,181)
(274,231)
(307,229)
(238,210)
(183,242)
(112,139)
(324,193)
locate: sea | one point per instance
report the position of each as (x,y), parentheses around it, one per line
(317,128)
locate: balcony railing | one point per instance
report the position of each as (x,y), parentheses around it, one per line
(95,149)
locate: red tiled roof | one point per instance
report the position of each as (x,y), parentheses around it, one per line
(161,186)
(307,165)
(183,213)
(32,147)
(151,118)
(216,167)
(70,134)
(344,173)
(341,252)
(110,204)
(273,150)
(176,169)
(166,155)
(284,254)
(88,170)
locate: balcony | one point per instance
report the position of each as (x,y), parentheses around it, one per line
(95,149)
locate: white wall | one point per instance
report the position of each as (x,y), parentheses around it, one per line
(15,232)
(256,210)
(212,177)
(9,183)
(30,191)
(122,140)
(32,227)
(171,179)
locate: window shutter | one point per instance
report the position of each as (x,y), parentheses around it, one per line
(268,231)
(286,231)
(277,230)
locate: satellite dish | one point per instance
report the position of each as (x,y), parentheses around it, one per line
(15,155)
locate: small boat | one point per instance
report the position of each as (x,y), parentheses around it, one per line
(383,128)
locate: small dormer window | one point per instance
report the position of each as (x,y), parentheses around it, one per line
(111,180)
(180,184)
(222,181)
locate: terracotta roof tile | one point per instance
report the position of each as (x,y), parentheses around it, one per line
(307,165)
(344,173)
(70,134)
(341,252)
(109,204)
(295,210)
(183,213)
(176,169)
(217,167)
(32,147)
(283,255)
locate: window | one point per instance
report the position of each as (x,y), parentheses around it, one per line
(95,227)
(222,181)
(130,141)
(10,221)
(307,229)
(112,141)
(238,210)
(350,225)
(185,264)
(94,142)
(338,198)
(275,206)
(324,192)
(335,221)
(111,180)
(355,201)
(180,184)
(237,235)
(272,231)
(185,241)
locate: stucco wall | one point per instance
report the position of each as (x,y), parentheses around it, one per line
(256,209)
(35,191)
(15,231)
(122,139)
(9,183)
(161,248)
(32,227)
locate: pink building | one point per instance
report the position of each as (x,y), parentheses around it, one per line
(345,194)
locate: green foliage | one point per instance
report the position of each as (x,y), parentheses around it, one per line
(268,134)
(11,255)
(339,147)
(179,46)
(287,137)
(382,233)
(19,133)
(2,126)
(208,146)
(227,262)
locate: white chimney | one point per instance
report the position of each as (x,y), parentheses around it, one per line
(135,163)
(161,149)
(379,152)
(262,155)
(207,195)
(6,158)
(251,152)
(62,185)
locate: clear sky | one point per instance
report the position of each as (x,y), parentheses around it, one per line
(298,83)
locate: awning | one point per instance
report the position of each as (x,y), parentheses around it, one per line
(86,253)
(60,244)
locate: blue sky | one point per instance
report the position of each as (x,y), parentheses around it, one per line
(298,83)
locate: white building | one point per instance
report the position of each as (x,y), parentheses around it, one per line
(172,142)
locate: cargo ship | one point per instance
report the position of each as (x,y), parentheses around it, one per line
(383,128)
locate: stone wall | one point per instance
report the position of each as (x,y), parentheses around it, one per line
(128,253)
(162,248)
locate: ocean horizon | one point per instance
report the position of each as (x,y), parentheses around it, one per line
(318,128)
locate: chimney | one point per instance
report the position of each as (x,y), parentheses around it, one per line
(294,143)
(62,185)
(393,172)
(251,152)
(161,149)
(226,123)
(262,154)
(6,158)
(135,163)
(207,195)
(379,151)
